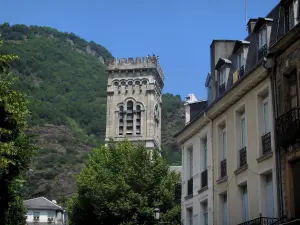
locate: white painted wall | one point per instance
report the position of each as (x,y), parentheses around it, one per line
(206,197)
(44,216)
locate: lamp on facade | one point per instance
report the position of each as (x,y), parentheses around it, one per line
(156,213)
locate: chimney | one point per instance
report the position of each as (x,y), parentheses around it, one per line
(250,25)
(191,98)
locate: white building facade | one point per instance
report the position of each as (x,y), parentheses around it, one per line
(43,211)
(197,186)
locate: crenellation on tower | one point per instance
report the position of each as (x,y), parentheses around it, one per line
(134,91)
(139,63)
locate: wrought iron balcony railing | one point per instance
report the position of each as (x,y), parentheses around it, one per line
(190,186)
(263,221)
(262,51)
(288,127)
(243,156)
(221,88)
(223,168)
(241,71)
(204,179)
(266,143)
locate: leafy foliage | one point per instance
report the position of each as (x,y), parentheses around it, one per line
(122,183)
(64,80)
(16,149)
(172,121)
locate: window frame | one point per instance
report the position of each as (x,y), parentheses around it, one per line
(289,17)
(262,37)
(266,128)
(240,59)
(245,203)
(222,74)
(205,154)
(243,117)
(224,144)
(271,196)
(190,162)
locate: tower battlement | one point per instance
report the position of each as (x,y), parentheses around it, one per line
(139,63)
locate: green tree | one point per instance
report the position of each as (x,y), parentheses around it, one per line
(123,183)
(15,147)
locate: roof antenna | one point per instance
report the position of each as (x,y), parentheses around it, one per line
(246,16)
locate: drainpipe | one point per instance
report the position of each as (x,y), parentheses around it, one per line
(212,168)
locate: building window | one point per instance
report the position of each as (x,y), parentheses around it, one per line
(262,43)
(129,118)
(190,184)
(51,216)
(205,154)
(204,175)
(156,115)
(262,38)
(243,131)
(138,120)
(204,213)
(269,195)
(222,76)
(293,91)
(240,60)
(289,16)
(190,162)
(222,81)
(36,216)
(265,126)
(121,120)
(245,212)
(224,144)
(189,216)
(266,116)
(241,134)
(224,209)
(223,151)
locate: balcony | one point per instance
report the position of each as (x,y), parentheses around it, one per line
(243,156)
(266,143)
(223,168)
(204,179)
(221,88)
(263,221)
(288,128)
(262,52)
(190,187)
(241,71)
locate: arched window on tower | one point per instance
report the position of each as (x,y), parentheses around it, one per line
(129,118)
(121,120)
(138,120)
(156,115)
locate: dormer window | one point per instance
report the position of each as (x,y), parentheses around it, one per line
(223,67)
(240,64)
(240,60)
(262,43)
(289,16)
(222,80)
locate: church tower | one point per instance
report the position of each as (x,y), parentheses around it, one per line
(134,99)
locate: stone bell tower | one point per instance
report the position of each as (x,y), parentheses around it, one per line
(134,98)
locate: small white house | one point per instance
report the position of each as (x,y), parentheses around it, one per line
(43,211)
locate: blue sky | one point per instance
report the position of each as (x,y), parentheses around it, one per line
(179,31)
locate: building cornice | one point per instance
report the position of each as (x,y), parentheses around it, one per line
(232,96)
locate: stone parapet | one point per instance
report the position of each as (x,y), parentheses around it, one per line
(140,63)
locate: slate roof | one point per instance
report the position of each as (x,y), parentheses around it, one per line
(41,203)
(276,18)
